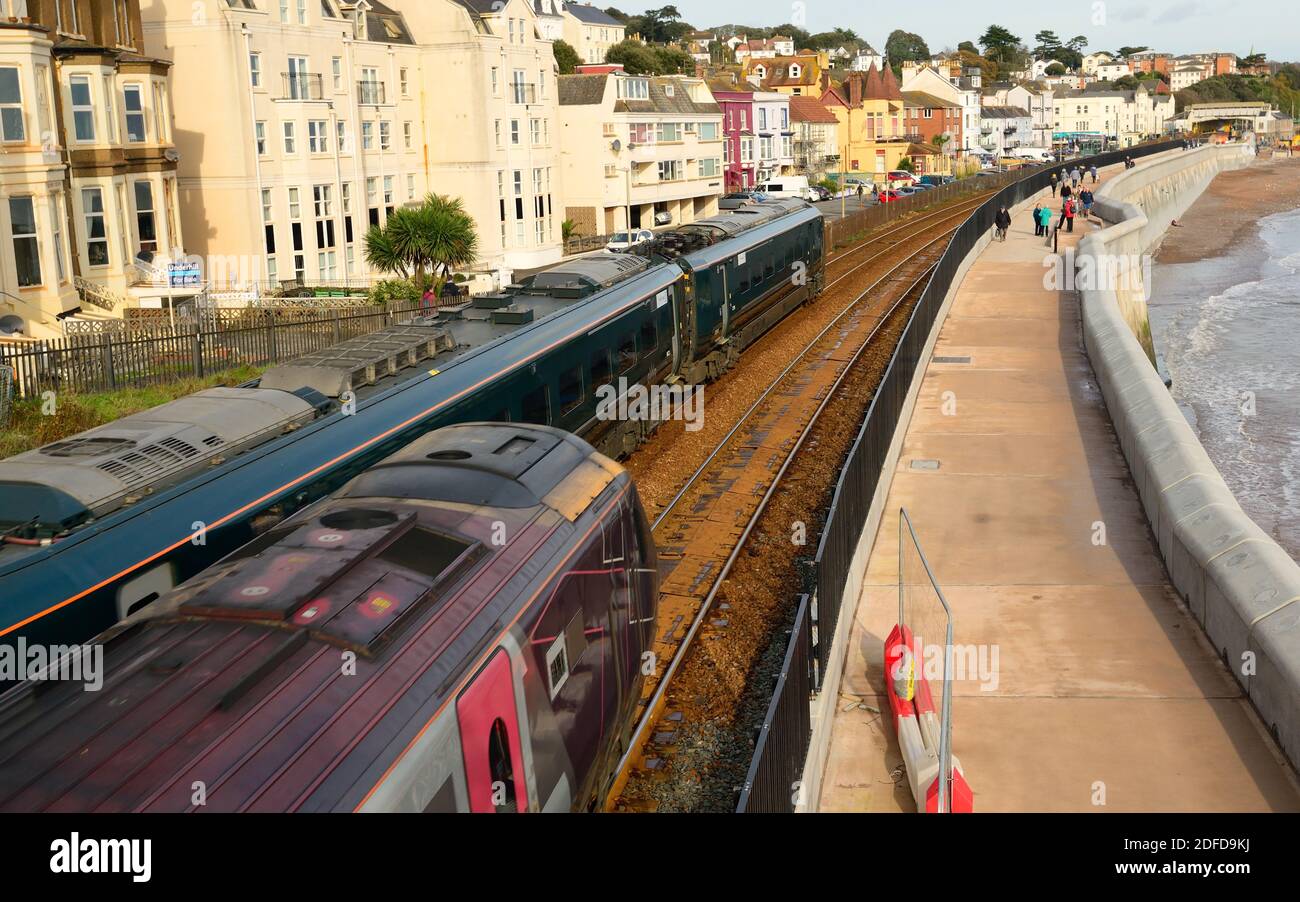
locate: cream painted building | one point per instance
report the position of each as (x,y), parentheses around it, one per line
(1124,116)
(88,195)
(648,150)
(315,137)
(591,31)
(491,124)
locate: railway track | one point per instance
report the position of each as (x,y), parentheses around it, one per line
(706,526)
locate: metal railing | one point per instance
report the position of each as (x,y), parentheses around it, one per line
(523,93)
(859,479)
(772,783)
(303,86)
(924,612)
(371,93)
(151,353)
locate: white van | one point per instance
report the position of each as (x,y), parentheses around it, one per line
(795,186)
(1037,154)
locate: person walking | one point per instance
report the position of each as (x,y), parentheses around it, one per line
(1069,215)
(1003,222)
(1076,177)
(1085,199)
(861,190)
(1094,173)
(1053,184)
(1066,191)
(1038,220)
(1045,218)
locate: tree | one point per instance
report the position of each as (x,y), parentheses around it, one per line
(902,46)
(1126,52)
(967,47)
(436,237)
(658,25)
(1056,69)
(905,164)
(635,57)
(988,68)
(615,13)
(1125,83)
(1048,43)
(1000,45)
(1077,43)
(565,57)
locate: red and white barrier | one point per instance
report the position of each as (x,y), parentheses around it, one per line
(918,727)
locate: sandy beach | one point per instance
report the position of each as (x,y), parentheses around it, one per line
(1229,211)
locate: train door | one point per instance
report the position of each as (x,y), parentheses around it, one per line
(490,739)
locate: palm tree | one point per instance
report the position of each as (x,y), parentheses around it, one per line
(436,237)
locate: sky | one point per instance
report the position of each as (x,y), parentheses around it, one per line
(1177,26)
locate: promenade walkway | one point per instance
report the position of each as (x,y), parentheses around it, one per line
(1106,689)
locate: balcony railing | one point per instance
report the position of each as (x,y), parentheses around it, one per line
(371,92)
(303,86)
(523,92)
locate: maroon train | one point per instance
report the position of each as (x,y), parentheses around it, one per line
(460,628)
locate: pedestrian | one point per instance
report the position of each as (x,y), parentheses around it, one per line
(1038,220)
(862,189)
(1053,184)
(1066,191)
(1065,205)
(1094,173)
(1069,215)
(427,300)
(1003,222)
(1077,177)
(1086,198)
(1045,218)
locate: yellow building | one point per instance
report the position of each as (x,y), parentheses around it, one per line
(799,75)
(872,125)
(588,30)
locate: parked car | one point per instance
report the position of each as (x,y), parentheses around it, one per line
(822,193)
(897,178)
(736,200)
(905,191)
(936,181)
(851,186)
(620,242)
(1036,154)
(889,195)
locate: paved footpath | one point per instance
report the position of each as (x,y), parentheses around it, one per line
(1106,688)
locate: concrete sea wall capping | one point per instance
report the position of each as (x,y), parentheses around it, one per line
(1239,584)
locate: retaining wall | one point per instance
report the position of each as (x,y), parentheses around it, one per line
(1239,584)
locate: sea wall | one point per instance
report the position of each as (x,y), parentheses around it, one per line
(1239,584)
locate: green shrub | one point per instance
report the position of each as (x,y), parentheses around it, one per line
(393,291)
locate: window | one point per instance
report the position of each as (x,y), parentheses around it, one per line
(496,81)
(535,131)
(626,352)
(323,207)
(403,82)
(284,10)
(11,106)
(649,336)
(92,203)
(295,204)
(669,131)
(570,390)
(388,192)
(367,136)
(407,132)
(514,131)
(27,252)
(496,129)
(108,104)
(336,69)
(537,406)
(709,167)
(341,135)
(255,69)
(144,218)
(302,12)
(500,766)
(670,170)
(708,131)
(318,136)
(601,372)
(410,187)
(633,88)
(83,113)
(385,135)
(133,104)
(290,139)
(259,132)
(299,80)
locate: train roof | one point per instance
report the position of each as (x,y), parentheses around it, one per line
(757,223)
(239,678)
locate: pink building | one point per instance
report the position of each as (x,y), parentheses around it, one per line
(739,163)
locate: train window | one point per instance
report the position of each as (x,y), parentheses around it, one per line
(537,406)
(570,390)
(501,416)
(768,269)
(626,352)
(744,280)
(649,336)
(557,665)
(601,373)
(500,768)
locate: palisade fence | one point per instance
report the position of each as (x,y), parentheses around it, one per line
(143,352)
(856,489)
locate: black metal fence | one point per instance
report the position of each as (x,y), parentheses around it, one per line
(772,784)
(856,488)
(150,353)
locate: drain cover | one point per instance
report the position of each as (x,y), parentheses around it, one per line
(952,360)
(925,465)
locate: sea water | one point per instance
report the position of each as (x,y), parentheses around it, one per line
(1229,330)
